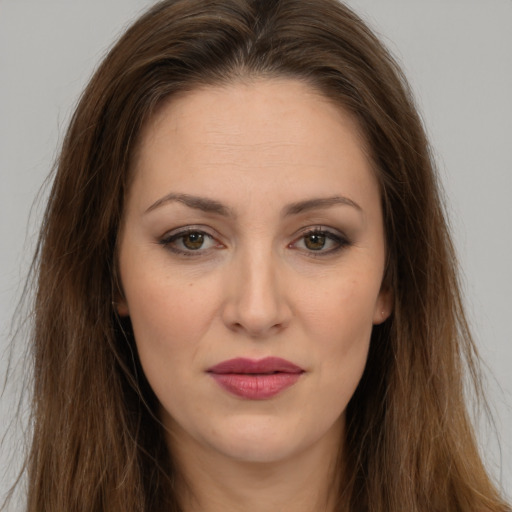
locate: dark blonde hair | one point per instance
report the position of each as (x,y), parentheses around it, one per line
(97,442)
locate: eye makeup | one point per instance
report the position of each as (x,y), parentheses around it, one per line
(195,241)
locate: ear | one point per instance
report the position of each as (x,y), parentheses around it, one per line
(383,305)
(121,307)
(119,303)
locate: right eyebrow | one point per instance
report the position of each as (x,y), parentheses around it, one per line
(199,203)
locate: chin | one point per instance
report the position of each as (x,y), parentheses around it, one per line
(255,449)
(265,440)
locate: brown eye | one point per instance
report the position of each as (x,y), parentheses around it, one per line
(193,241)
(320,242)
(315,241)
(189,242)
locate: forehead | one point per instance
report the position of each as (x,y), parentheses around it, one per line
(263,131)
(247,111)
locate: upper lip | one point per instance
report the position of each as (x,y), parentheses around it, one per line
(255,366)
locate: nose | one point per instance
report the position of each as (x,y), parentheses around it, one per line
(256,303)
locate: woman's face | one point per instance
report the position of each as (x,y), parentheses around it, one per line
(253,231)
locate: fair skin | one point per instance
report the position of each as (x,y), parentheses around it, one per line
(252,229)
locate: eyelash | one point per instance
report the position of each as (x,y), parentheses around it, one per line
(340,240)
(168,241)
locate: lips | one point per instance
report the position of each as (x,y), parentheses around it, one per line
(256,379)
(250,366)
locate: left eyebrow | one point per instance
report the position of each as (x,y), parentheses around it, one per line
(319,204)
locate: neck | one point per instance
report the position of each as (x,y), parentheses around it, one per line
(211,482)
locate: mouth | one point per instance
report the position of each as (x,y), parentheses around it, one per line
(256,379)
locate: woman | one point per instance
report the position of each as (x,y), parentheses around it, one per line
(247,296)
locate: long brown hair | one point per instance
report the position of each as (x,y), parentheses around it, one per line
(97,442)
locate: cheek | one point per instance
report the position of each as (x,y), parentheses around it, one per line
(169,321)
(170,315)
(340,322)
(166,300)
(342,307)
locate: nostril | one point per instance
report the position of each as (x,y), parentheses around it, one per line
(257,331)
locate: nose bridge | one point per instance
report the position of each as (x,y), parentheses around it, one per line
(256,304)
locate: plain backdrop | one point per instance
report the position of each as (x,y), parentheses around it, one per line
(458,57)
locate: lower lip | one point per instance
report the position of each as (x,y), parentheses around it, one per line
(255,386)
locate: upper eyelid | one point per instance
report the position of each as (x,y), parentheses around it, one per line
(176,232)
(168,242)
(170,238)
(335,235)
(207,231)
(321,229)
(213,233)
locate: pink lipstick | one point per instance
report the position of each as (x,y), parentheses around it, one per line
(256,379)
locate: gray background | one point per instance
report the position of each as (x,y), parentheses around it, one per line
(458,57)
